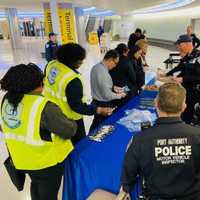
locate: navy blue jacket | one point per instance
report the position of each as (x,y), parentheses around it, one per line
(50,50)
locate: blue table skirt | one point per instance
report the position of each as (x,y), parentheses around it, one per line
(95,165)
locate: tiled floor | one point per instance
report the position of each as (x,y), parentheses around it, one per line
(30,52)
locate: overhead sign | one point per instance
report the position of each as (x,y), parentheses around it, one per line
(67,23)
(47,19)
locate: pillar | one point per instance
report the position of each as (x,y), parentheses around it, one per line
(15,37)
(80,27)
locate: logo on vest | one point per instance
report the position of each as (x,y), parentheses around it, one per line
(12,117)
(52,75)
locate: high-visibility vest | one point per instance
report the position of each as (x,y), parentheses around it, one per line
(58,76)
(21,129)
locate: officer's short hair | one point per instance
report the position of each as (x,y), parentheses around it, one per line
(52,34)
(171,97)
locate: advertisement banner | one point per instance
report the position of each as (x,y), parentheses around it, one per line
(47,19)
(67,24)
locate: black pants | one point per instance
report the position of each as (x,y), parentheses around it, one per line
(80,133)
(191,99)
(45,183)
(98,119)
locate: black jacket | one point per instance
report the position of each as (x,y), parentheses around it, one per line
(74,94)
(138,68)
(189,68)
(133,39)
(195,40)
(167,156)
(124,74)
(50,50)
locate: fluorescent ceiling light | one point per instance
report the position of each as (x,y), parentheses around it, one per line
(103,13)
(164,7)
(192,12)
(89,9)
(24,14)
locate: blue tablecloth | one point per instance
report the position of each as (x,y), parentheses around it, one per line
(95,165)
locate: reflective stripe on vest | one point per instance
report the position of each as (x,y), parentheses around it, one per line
(58,76)
(20,138)
(28,138)
(21,130)
(58,94)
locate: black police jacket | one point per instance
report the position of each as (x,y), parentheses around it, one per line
(167,155)
(195,40)
(189,68)
(50,50)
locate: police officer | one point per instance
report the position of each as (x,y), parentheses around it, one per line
(195,39)
(167,154)
(51,47)
(187,73)
(36,131)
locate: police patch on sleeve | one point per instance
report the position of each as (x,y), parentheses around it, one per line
(172,151)
(52,75)
(47,46)
(11,116)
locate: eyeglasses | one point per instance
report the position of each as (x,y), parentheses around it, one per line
(115,61)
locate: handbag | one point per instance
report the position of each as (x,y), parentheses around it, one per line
(17,176)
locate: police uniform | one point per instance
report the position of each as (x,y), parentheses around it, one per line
(189,69)
(167,156)
(41,159)
(50,50)
(195,41)
(58,77)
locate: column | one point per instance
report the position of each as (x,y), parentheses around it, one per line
(55,19)
(80,26)
(12,17)
(66,21)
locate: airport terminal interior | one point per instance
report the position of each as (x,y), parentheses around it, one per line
(161,34)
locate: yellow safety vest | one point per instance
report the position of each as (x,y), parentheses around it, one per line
(58,76)
(21,128)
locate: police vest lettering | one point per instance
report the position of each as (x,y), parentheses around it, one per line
(173,151)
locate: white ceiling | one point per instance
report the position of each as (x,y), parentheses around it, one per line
(120,6)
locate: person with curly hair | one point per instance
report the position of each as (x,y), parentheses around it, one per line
(36,131)
(63,84)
